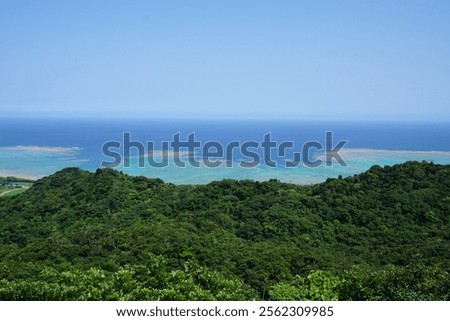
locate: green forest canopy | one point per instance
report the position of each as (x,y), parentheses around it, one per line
(380,235)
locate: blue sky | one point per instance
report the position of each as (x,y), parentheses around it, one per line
(259,59)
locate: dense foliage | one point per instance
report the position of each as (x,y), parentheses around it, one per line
(380,235)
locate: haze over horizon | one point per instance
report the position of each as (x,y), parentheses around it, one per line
(244,59)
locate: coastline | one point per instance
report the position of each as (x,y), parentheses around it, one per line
(21,175)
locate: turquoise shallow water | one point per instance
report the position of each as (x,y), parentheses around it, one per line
(36,162)
(358,161)
(30,148)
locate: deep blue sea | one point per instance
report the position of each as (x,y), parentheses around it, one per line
(39,147)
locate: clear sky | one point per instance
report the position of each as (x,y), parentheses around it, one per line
(226,58)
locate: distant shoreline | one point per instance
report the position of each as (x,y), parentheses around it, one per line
(21,176)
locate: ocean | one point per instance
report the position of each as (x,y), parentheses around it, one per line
(34,148)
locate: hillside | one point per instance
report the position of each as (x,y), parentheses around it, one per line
(380,235)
